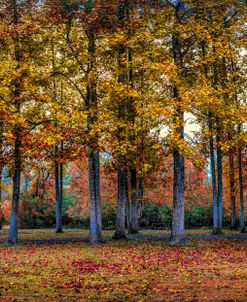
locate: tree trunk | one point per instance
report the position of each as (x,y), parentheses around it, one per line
(232,189)
(127,205)
(95,235)
(58,184)
(212,157)
(241,191)
(1,159)
(177,232)
(120,216)
(133,206)
(122,174)
(140,198)
(94,191)
(219,181)
(214,186)
(14,218)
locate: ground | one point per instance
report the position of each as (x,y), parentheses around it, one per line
(133,270)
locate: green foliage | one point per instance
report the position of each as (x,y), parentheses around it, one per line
(155,214)
(108,215)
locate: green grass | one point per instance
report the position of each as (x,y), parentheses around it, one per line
(32,234)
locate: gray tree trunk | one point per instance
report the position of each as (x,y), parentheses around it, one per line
(95,235)
(219,181)
(14,218)
(133,206)
(212,157)
(232,189)
(127,205)
(177,232)
(122,175)
(59,195)
(216,226)
(241,191)
(1,158)
(140,198)
(121,203)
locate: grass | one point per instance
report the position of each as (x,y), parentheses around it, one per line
(31,234)
(135,271)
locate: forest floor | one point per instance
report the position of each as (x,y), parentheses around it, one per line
(49,235)
(133,270)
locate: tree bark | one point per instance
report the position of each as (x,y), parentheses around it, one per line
(133,206)
(177,232)
(122,174)
(140,198)
(127,205)
(232,189)
(216,226)
(212,157)
(121,203)
(219,180)
(94,191)
(95,235)
(59,193)
(1,158)
(241,191)
(14,218)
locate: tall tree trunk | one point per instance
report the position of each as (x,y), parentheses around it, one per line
(177,232)
(241,191)
(216,226)
(133,228)
(95,235)
(14,218)
(140,198)
(127,205)
(122,174)
(219,179)
(1,159)
(212,157)
(133,206)
(232,189)
(94,191)
(59,193)
(121,203)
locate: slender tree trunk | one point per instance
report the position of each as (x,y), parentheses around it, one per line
(127,206)
(14,218)
(1,159)
(216,226)
(177,232)
(140,198)
(232,189)
(120,216)
(59,193)
(133,207)
(241,191)
(95,235)
(122,174)
(212,157)
(94,191)
(219,181)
